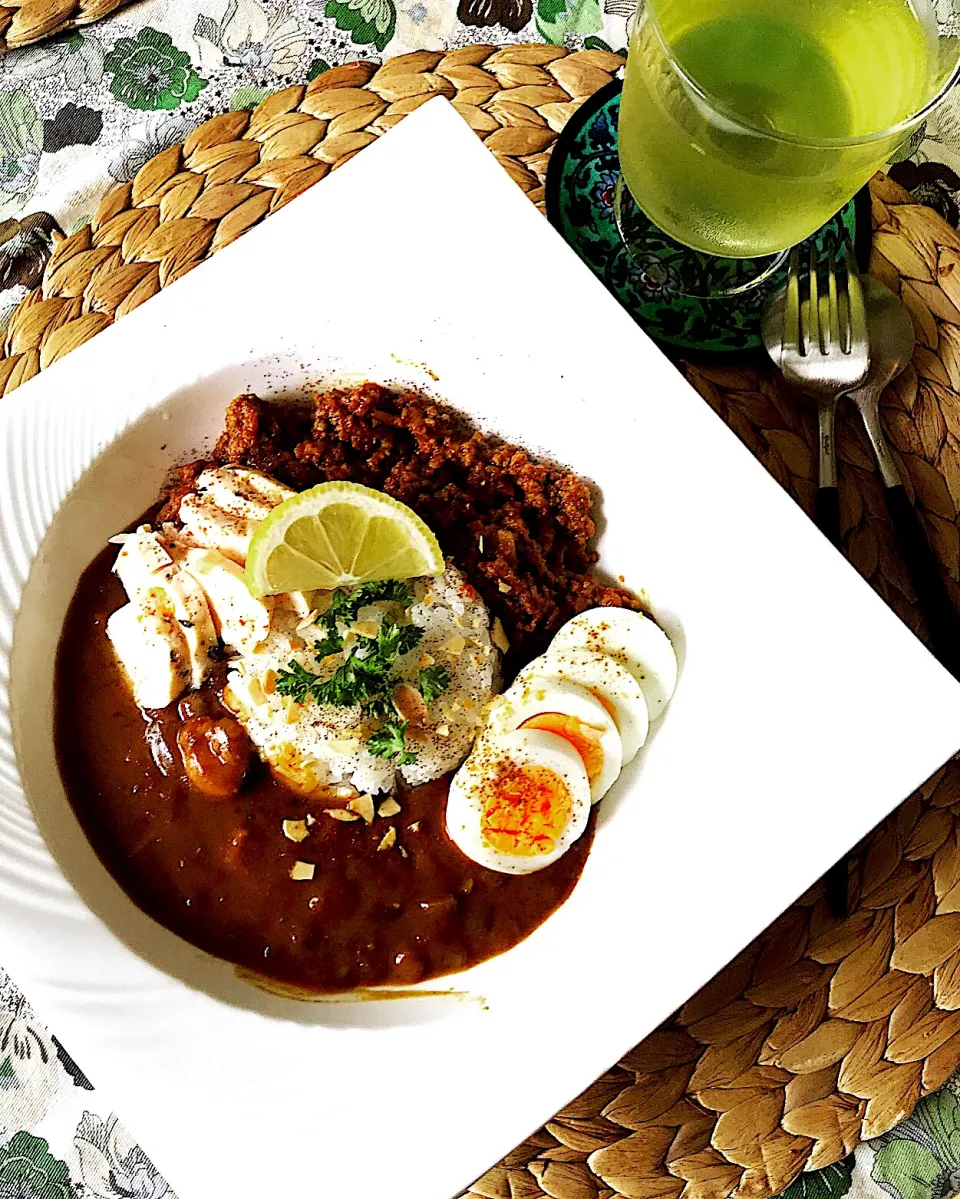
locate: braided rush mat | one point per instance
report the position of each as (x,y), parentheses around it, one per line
(23,22)
(819,1034)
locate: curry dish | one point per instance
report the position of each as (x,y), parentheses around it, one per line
(337,879)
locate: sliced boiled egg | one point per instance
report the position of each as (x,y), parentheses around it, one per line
(567,710)
(631,639)
(609,682)
(519,801)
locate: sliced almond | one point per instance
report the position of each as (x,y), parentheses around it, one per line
(363,806)
(310,820)
(503,587)
(426,660)
(389,807)
(403,852)
(343,745)
(342,814)
(308,620)
(389,839)
(480,543)
(499,637)
(454,646)
(413,828)
(295,830)
(409,704)
(365,628)
(302,872)
(442,730)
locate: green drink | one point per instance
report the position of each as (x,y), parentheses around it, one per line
(746,124)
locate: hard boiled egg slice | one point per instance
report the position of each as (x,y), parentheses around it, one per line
(631,639)
(519,801)
(609,682)
(569,711)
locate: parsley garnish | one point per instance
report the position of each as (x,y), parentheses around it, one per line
(388,743)
(331,643)
(296,681)
(396,639)
(380,707)
(365,678)
(432,682)
(345,605)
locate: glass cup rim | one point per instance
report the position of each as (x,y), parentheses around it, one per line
(645,8)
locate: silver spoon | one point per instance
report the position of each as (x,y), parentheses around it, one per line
(892,341)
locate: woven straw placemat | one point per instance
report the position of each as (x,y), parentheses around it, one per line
(820,1034)
(23,22)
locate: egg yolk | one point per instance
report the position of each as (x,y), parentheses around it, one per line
(524,809)
(583,737)
(607,706)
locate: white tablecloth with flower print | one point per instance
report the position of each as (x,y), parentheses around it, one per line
(90,108)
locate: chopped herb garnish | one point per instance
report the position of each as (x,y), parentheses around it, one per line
(380,707)
(296,681)
(396,639)
(365,677)
(432,682)
(346,604)
(388,743)
(331,643)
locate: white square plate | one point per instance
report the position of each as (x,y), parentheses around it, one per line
(805,709)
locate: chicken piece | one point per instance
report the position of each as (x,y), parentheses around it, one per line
(241,620)
(153,652)
(152,579)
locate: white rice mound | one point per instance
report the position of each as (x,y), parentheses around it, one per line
(317,746)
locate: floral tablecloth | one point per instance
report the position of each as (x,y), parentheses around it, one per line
(90,108)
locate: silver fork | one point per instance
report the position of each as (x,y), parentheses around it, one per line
(825,352)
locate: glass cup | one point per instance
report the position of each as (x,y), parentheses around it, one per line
(746,124)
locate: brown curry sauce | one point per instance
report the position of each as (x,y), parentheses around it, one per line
(217,871)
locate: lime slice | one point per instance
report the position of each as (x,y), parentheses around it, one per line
(339,535)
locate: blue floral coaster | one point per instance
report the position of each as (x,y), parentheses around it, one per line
(581,185)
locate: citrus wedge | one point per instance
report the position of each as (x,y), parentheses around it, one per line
(339,535)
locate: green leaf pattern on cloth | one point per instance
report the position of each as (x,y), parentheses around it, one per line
(829,1183)
(149,72)
(28,1171)
(920,1158)
(369,22)
(21,142)
(558,20)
